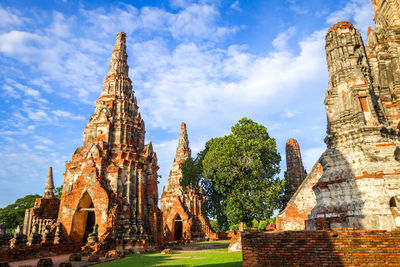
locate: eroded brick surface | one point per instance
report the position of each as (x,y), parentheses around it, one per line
(296,212)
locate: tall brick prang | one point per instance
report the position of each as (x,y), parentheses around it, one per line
(183,217)
(112,179)
(295,172)
(361,180)
(356,181)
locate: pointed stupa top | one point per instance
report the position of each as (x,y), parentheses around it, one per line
(118,63)
(49,187)
(183,151)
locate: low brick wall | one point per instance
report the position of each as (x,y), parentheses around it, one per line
(339,247)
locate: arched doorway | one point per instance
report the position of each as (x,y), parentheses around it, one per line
(178,228)
(84,219)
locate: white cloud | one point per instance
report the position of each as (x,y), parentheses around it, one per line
(179,3)
(67,114)
(10,91)
(21,45)
(40,147)
(359,12)
(38,115)
(43,140)
(9,18)
(236,5)
(281,41)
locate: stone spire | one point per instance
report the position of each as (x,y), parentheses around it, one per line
(116,120)
(183,151)
(295,172)
(49,187)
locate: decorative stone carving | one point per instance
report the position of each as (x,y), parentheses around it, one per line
(48,236)
(35,237)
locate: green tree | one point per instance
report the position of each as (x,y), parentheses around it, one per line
(58,191)
(13,214)
(238,173)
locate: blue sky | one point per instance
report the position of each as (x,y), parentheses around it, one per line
(208,63)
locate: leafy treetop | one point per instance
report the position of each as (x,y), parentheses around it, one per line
(238,175)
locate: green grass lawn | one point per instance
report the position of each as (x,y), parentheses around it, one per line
(213,253)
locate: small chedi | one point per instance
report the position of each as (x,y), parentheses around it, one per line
(356,181)
(44,212)
(183,218)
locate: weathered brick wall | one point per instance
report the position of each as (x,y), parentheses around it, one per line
(340,247)
(296,212)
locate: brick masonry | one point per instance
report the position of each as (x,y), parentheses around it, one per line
(293,217)
(339,247)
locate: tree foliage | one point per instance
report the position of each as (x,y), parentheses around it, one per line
(58,191)
(238,173)
(13,214)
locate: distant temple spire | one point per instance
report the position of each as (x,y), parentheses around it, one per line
(49,187)
(183,151)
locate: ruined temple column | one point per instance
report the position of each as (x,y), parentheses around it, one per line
(295,172)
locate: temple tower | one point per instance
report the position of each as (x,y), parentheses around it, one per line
(295,172)
(183,218)
(112,179)
(361,171)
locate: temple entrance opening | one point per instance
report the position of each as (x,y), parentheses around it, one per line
(90,222)
(84,219)
(178,228)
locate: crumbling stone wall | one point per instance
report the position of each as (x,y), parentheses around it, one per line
(339,247)
(295,213)
(114,174)
(183,205)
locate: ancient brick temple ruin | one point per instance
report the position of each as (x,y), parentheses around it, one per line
(111,181)
(183,217)
(295,172)
(356,181)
